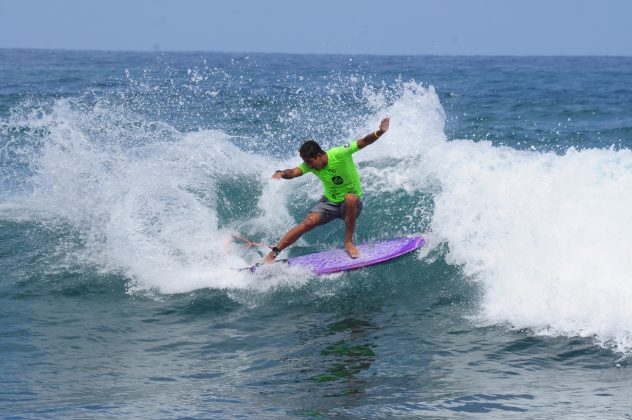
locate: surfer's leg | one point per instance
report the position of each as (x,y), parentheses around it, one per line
(310,222)
(351,210)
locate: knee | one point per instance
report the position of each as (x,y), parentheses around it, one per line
(310,222)
(351,200)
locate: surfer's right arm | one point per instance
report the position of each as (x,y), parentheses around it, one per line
(287,173)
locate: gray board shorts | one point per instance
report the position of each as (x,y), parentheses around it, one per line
(329,211)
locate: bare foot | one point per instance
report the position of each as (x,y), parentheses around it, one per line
(269,259)
(352,250)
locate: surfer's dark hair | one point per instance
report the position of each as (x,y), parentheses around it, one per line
(310,149)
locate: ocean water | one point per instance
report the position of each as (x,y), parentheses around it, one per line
(125,176)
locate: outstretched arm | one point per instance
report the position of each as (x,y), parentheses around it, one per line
(371,138)
(287,173)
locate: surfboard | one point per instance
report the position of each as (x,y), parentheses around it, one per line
(337,260)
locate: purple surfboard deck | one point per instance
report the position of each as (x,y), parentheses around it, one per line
(337,260)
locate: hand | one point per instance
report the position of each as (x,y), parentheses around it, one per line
(278,175)
(384,124)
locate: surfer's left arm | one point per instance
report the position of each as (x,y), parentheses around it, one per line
(372,137)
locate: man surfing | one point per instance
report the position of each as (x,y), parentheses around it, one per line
(343,193)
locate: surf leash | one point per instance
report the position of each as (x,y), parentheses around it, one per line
(248,243)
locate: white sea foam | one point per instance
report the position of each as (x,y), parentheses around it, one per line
(550,237)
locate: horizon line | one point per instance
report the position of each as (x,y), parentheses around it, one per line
(161,51)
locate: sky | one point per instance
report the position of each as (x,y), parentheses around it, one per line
(399,27)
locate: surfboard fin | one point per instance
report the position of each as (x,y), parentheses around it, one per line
(253,268)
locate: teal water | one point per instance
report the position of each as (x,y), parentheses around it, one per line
(124,175)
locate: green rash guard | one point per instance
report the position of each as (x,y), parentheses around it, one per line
(340,175)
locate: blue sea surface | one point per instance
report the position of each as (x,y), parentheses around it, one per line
(125,179)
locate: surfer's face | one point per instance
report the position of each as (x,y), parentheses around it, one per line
(317,162)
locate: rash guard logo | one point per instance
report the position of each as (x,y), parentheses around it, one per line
(337,180)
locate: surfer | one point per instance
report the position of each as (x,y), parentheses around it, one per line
(343,194)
